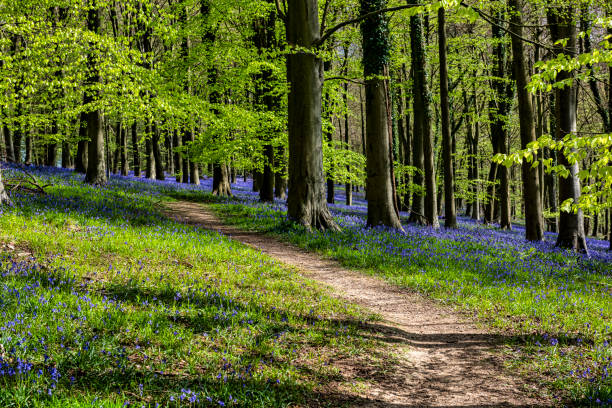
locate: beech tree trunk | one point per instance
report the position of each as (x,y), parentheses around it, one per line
(499,110)
(149,159)
(4,198)
(382,207)
(418,72)
(571,224)
(8,142)
(221,181)
(96,165)
(306,199)
(280,180)
(348,188)
(450,213)
(265,41)
(124,152)
(532,196)
(82,154)
(159,163)
(135,149)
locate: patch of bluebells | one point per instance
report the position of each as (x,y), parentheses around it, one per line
(501,261)
(57,331)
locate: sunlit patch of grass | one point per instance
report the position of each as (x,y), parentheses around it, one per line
(554,307)
(114,304)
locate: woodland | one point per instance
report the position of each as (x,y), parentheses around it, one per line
(459,150)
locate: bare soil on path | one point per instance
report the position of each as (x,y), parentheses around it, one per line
(444,359)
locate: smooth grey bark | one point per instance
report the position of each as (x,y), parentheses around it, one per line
(382,208)
(571,224)
(4,198)
(306,199)
(422,129)
(155,146)
(116,153)
(96,165)
(186,161)
(8,143)
(532,196)
(149,159)
(265,41)
(348,188)
(499,110)
(135,150)
(178,159)
(124,153)
(82,154)
(221,180)
(280,178)
(450,213)
(417,69)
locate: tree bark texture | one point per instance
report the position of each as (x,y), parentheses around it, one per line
(532,196)
(450,213)
(96,165)
(306,199)
(571,224)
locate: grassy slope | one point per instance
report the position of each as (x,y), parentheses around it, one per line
(105,303)
(555,309)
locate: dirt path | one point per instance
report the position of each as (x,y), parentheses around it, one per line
(445,361)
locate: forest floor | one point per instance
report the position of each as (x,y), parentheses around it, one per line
(445,359)
(107,302)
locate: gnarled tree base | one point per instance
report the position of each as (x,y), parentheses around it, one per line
(221,182)
(313,216)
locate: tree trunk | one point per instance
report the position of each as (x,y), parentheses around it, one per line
(280,182)
(475,170)
(450,213)
(66,157)
(117,151)
(8,141)
(266,190)
(530,175)
(80,161)
(178,159)
(124,152)
(221,182)
(499,110)
(135,149)
(96,166)
(429,162)
(4,198)
(418,133)
(159,163)
(306,200)
(28,149)
(348,189)
(382,208)
(149,158)
(571,224)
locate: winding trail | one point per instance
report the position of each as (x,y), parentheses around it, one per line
(444,360)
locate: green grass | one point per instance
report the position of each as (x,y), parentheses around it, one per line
(131,308)
(552,309)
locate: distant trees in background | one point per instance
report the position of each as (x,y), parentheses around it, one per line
(498,110)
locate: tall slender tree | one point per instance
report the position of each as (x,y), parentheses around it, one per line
(450,213)
(562,24)
(422,124)
(306,199)
(96,165)
(532,196)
